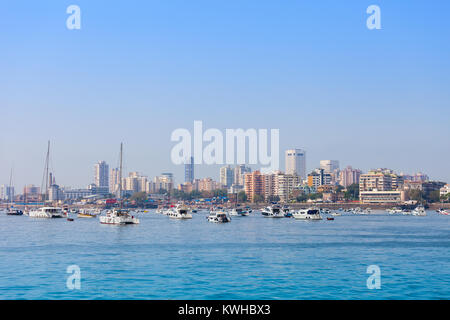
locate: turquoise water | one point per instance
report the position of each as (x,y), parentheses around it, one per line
(249,258)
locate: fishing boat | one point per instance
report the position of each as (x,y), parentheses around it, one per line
(218,217)
(119,217)
(307,214)
(46,212)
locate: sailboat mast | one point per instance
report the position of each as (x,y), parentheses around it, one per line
(46,171)
(120,170)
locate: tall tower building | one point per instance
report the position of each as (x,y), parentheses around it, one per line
(226,176)
(189,170)
(296,162)
(101,174)
(329,166)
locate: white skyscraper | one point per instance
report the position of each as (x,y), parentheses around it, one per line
(101,174)
(296,162)
(329,165)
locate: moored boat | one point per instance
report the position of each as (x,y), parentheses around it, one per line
(46,212)
(219,217)
(307,214)
(118,217)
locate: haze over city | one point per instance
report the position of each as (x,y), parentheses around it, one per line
(134,74)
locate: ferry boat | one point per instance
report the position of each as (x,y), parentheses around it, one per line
(46,212)
(273,211)
(307,214)
(179,212)
(118,216)
(219,217)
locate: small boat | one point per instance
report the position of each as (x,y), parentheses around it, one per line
(69,219)
(273,211)
(46,212)
(307,214)
(287,212)
(87,213)
(330,218)
(219,217)
(444,212)
(179,212)
(238,212)
(336,214)
(14,212)
(119,217)
(419,211)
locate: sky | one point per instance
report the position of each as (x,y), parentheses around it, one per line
(138,70)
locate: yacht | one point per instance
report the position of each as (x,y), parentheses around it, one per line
(307,214)
(419,211)
(238,212)
(179,212)
(273,211)
(287,212)
(46,212)
(218,217)
(118,216)
(394,210)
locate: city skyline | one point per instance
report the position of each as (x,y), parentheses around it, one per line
(369,98)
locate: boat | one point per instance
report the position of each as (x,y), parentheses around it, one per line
(325,211)
(238,212)
(336,214)
(419,211)
(88,213)
(218,217)
(14,212)
(330,218)
(394,210)
(287,212)
(118,217)
(46,212)
(307,214)
(179,212)
(273,211)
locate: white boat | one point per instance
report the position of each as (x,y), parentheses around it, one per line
(336,214)
(118,216)
(443,211)
(238,212)
(179,212)
(394,210)
(46,212)
(273,211)
(419,211)
(308,214)
(219,217)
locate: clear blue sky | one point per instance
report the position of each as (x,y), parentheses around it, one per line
(137,70)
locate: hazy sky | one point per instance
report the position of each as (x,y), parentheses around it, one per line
(137,70)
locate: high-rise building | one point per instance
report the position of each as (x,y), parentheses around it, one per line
(239,173)
(189,170)
(114,181)
(349,176)
(254,185)
(6,193)
(329,166)
(319,178)
(227,176)
(101,174)
(296,162)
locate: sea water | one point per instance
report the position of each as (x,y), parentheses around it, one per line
(250,258)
